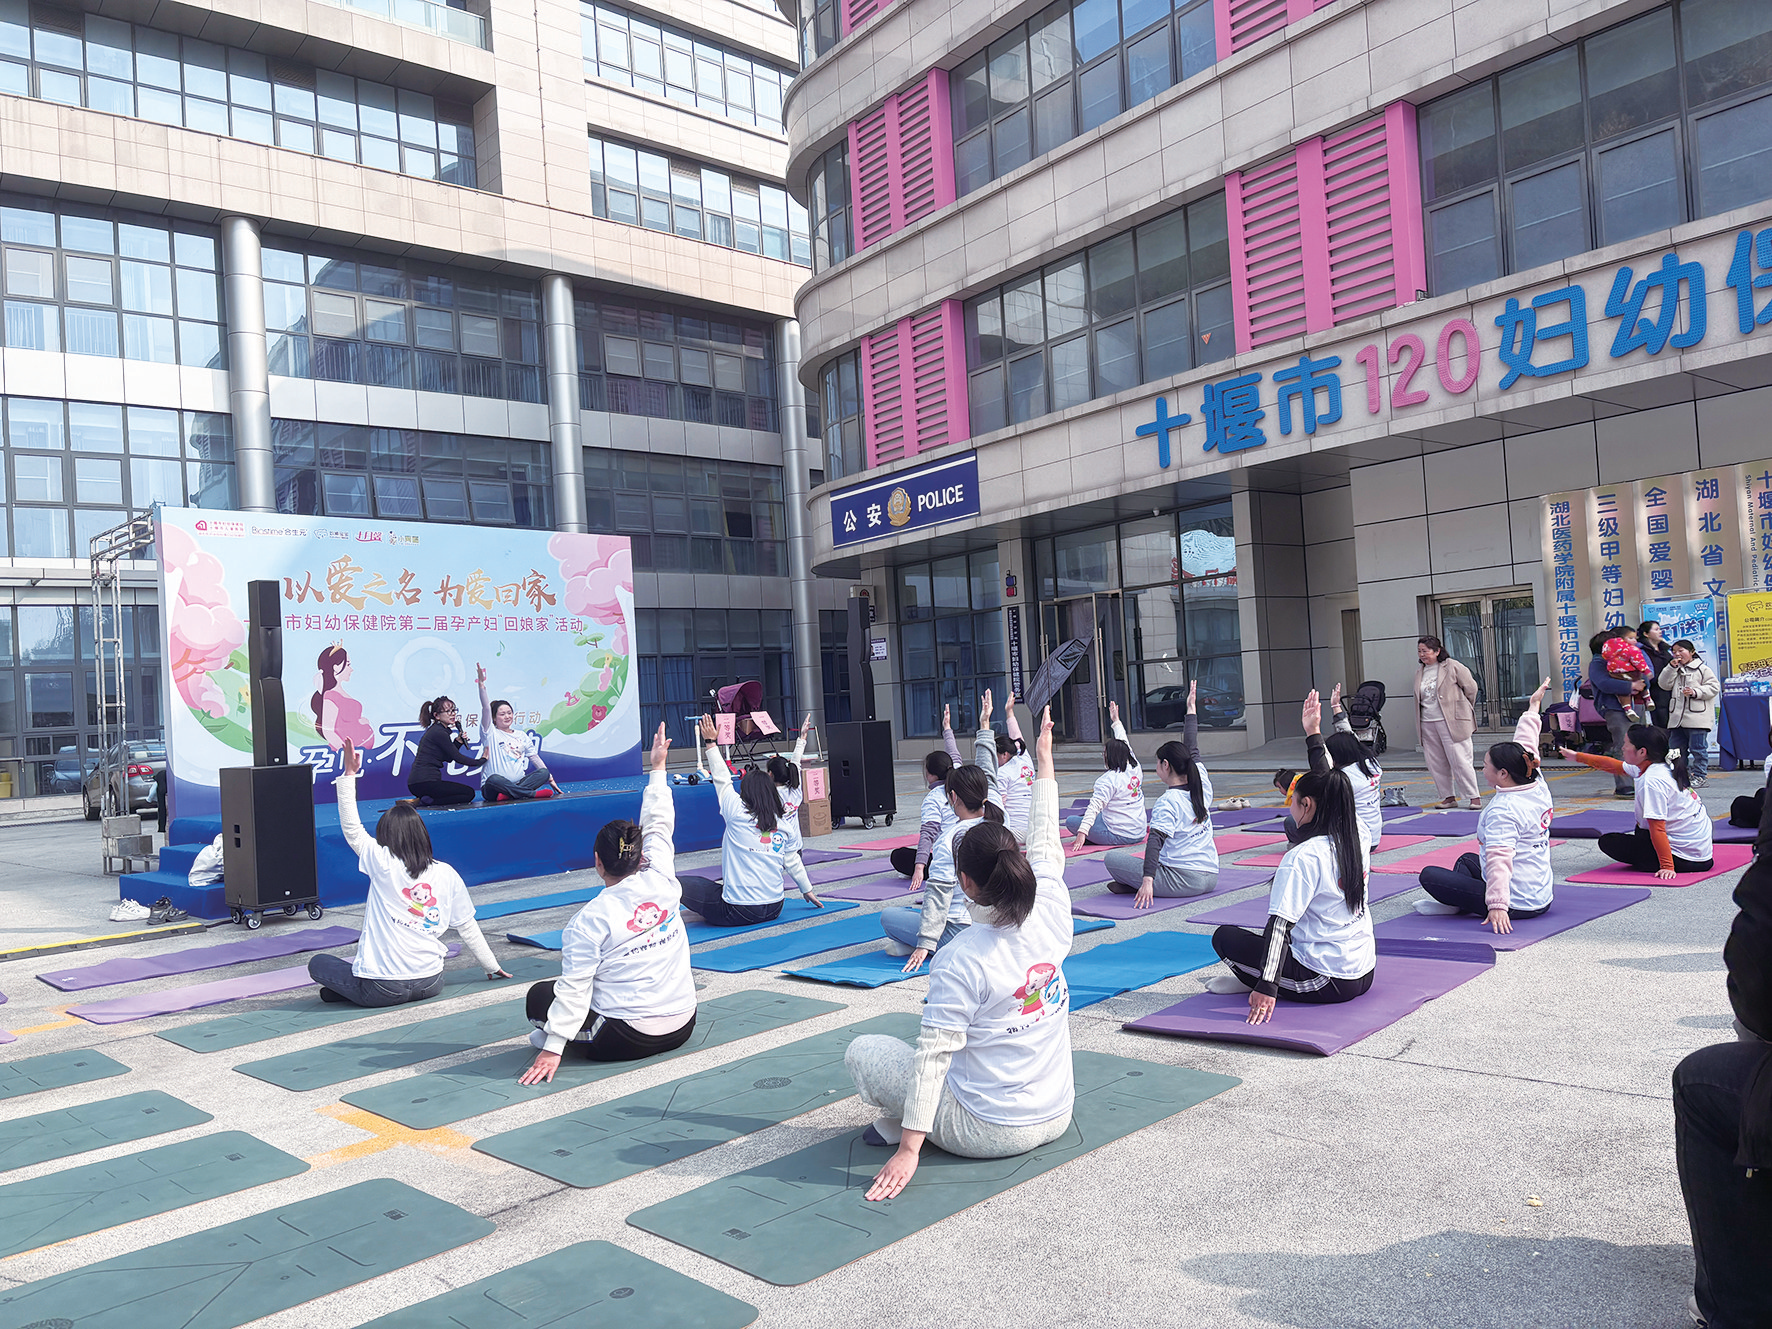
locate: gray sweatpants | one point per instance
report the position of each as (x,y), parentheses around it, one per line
(1126,874)
(880,1065)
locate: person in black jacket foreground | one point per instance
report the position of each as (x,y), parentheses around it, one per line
(439,745)
(1723,1123)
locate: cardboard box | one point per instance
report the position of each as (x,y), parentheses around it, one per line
(815,817)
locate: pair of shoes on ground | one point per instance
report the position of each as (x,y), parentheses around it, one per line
(130,911)
(165,911)
(1700,781)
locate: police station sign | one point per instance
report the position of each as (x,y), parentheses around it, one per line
(943,491)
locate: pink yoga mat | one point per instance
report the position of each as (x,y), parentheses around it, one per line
(1116,906)
(1385,845)
(1069,838)
(898,842)
(1235,842)
(1571,907)
(1724,858)
(1444,856)
(194,959)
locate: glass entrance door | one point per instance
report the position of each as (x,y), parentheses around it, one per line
(1079,711)
(1495,637)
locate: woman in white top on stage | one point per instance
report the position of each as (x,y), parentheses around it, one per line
(1115,814)
(990,1075)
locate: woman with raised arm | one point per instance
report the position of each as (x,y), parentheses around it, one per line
(1180,857)
(514,768)
(936,815)
(990,1075)
(1673,832)
(625,990)
(1342,751)
(785,772)
(1118,800)
(917,932)
(442,744)
(1004,757)
(1512,879)
(757,853)
(413,900)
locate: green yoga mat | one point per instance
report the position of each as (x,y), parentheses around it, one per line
(428,1101)
(298,1017)
(245,1270)
(795,1218)
(389,1049)
(52,1135)
(592,1283)
(670,1121)
(56,1070)
(86,1199)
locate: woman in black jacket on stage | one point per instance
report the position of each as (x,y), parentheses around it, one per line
(438,746)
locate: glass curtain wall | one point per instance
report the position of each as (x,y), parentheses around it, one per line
(689,514)
(950,637)
(684,655)
(668,363)
(663,61)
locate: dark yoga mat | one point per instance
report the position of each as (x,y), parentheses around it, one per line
(194,959)
(389,1049)
(1252,913)
(1570,907)
(793,910)
(797,1217)
(441,1097)
(55,1070)
(245,1270)
(1458,822)
(1227,817)
(1121,966)
(1410,974)
(592,1283)
(79,1200)
(612,1140)
(51,1135)
(1120,907)
(874,969)
(298,1017)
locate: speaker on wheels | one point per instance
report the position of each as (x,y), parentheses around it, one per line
(861,771)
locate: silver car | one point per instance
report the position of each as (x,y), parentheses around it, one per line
(136,764)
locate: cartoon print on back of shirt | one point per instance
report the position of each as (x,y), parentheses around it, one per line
(648,915)
(421,903)
(776,842)
(1044,987)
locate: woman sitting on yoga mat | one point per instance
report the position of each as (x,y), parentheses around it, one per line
(990,1076)
(756,854)
(937,815)
(625,990)
(413,901)
(1004,758)
(1318,945)
(440,745)
(785,772)
(1673,833)
(514,768)
(1512,879)
(1342,751)
(1118,799)
(917,932)
(1179,856)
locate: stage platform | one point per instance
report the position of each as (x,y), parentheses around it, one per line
(483,842)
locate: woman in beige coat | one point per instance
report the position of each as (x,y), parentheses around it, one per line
(1445,715)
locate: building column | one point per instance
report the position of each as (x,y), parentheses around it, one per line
(808,674)
(249,381)
(564,429)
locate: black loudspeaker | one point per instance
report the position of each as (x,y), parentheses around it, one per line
(264,654)
(268,836)
(861,667)
(861,769)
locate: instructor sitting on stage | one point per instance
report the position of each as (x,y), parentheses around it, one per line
(510,753)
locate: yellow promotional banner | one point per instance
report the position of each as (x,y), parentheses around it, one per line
(1750,633)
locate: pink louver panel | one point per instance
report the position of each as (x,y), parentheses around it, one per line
(858,12)
(1267,253)
(913,377)
(1241,22)
(901,159)
(871,171)
(882,395)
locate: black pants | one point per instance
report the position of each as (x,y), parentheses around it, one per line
(1730,1212)
(701,895)
(904,859)
(603,1037)
(1745,811)
(1636,850)
(1462,887)
(1244,951)
(338,983)
(442,792)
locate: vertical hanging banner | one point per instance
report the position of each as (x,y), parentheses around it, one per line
(1564,531)
(1757,527)
(1016,682)
(1612,553)
(1663,567)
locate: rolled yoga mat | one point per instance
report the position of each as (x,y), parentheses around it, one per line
(806,1209)
(55,1070)
(793,910)
(47,1136)
(1120,907)
(389,1049)
(1724,858)
(195,959)
(873,969)
(1252,913)
(590,1283)
(1571,906)
(1457,821)
(1409,975)
(79,1200)
(425,1102)
(242,1271)
(597,1145)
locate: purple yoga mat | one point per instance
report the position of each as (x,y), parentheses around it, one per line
(1721,833)
(1572,906)
(1460,821)
(1080,872)
(194,959)
(1244,816)
(887,887)
(1724,858)
(1119,907)
(1592,823)
(820,876)
(7,1038)
(1409,975)
(1252,913)
(1389,814)
(812,856)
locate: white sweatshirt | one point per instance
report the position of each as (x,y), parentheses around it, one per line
(1118,798)
(752,863)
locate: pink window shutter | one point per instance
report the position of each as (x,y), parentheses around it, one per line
(1267,253)
(901,159)
(871,170)
(937,363)
(857,12)
(883,395)
(1240,22)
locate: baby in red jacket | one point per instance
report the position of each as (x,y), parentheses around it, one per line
(1625,661)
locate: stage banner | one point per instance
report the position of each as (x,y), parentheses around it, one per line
(379,617)
(1692,619)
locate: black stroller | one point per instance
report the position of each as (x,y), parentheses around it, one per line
(1363,709)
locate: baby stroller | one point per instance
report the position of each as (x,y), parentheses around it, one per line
(754,734)
(1363,709)
(1562,729)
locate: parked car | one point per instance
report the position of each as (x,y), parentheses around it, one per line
(64,773)
(133,782)
(1218,707)
(1165,707)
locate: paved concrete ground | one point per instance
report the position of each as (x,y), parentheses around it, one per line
(1385,1186)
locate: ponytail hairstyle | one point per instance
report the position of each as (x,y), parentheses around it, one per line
(1654,742)
(783,772)
(998,870)
(1182,763)
(1435,645)
(1520,763)
(618,849)
(331,661)
(1335,818)
(1116,754)
(1283,779)
(401,831)
(937,764)
(427,711)
(1009,747)
(972,786)
(1346,750)
(757,791)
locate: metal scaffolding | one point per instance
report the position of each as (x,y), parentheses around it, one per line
(110,549)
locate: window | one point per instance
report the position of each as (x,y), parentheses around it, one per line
(689,514)
(683,654)
(1638,128)
(1143,305)
(365,318)
(128,69)
(951,643)
(845,449)
(833,236)
(820,29)
(697,202)
(1074,66)
(674,364)
(624,48)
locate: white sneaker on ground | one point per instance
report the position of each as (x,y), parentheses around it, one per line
(129,911)
(1434,909)
(1226,984)
(896,947)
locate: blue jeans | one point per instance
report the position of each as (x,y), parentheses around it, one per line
(1099,833)
(903,922)
(702,895)
(338,983)
(493,785)
(1695,743)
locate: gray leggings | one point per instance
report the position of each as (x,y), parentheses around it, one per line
(881,1067)
(1126,874)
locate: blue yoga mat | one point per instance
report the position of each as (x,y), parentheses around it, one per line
(1120,966)
(792,911)
(873,969)
(504,908)
(768,951)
